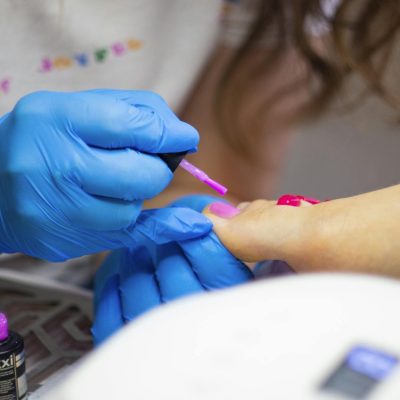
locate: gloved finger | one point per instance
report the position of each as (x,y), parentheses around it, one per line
(107,304)
(108,311)
(109,268)
(174,273)
(145,99)
(123,174)
(139,289)
(172,224)
(93,212)
(214,265)
(110,122)
(140,98)
(3,117)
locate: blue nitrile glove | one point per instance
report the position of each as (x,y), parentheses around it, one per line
(73,169)
(133,281)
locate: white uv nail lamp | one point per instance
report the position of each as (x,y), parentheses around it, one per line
(325,336)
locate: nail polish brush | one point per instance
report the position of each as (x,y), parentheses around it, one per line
(175,160)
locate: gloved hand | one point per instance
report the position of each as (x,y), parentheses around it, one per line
(133,281)
(75,167)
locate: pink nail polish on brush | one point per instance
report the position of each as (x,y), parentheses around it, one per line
(203,177)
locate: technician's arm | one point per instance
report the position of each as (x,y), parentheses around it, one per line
(357,234)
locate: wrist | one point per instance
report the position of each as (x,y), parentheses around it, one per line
(290,234)
(316,229)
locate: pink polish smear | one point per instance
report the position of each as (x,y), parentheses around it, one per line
(203,177)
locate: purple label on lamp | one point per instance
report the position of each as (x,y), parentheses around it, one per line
(370,362)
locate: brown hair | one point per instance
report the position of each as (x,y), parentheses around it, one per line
(360,38)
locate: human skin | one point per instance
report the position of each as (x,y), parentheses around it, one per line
(354,234)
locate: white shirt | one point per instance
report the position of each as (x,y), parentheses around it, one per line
(69,45)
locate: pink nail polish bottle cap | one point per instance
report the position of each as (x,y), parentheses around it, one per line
(3,327)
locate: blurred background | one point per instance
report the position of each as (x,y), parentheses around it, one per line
(347,151)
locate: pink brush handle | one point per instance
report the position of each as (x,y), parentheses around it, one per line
(203,177)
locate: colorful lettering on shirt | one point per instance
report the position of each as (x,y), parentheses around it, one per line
(46,65)
(100,55)
(118,48)
(5,85)
(82,59)
(62,62)
(134,44)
